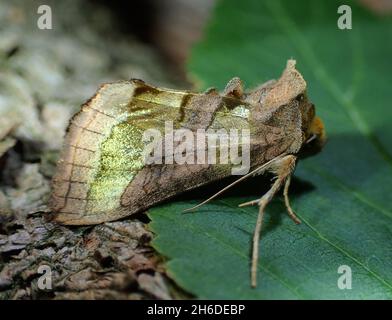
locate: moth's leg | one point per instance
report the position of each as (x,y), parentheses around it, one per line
(290,211)
(256,171)
(234,88)
(282,168)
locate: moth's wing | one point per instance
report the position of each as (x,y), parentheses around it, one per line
(79,161)
(274,131)
(102,153)
(101,174)
(155,183)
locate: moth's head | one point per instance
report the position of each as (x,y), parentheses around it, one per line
(314,136)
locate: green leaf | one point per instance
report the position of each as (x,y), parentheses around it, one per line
(347,213)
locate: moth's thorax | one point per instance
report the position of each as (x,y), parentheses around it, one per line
(284,104)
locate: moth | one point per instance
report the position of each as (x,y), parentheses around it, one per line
(102,176)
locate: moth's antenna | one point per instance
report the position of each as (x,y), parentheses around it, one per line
(253,172)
